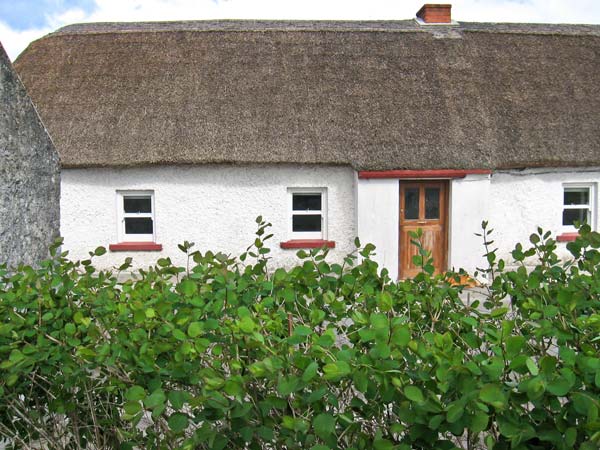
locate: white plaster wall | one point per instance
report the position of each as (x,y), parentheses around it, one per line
(378,220)
(523,200)
(469,206)
(514,203)
(378,215)
(213,206)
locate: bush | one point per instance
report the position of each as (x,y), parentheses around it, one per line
(229,354)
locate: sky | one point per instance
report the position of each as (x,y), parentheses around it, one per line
(22,21)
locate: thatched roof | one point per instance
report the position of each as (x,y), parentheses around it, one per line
(375,95)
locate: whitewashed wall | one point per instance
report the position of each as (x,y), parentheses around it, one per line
(213,206)
(469,206)
(378,209)
(514,203)
(378,219)
(524,200)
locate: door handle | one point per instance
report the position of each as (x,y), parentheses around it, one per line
(421,222)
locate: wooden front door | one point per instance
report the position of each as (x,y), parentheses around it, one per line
(423,204)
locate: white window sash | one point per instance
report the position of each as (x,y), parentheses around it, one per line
(590,206)
(122,215)
(302,235)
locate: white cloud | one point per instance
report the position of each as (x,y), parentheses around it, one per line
(14,42)
(550,11)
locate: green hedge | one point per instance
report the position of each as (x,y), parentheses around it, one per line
(229,353)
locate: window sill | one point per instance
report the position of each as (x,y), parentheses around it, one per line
(567,237)
(307,243)
(135,247)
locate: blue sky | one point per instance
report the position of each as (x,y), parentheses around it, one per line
(27,14)
(22,21)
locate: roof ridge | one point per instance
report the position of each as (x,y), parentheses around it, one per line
(249,25)
(262,25)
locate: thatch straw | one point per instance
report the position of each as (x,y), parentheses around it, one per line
(375,95)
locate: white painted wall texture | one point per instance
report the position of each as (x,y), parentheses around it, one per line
(514,203)
(524,200)
(213,206)
(469,206)
(216,207)
(378,209)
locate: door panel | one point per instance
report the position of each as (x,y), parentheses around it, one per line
(424,205)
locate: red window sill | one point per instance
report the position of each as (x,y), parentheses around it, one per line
(135,247)
(307,243)
(567,237)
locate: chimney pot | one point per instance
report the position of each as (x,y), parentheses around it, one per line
(435,13)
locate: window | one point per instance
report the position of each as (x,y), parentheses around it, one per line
(136,216)
(308,213)
(578,205)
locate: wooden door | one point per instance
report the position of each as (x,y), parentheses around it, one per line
(423,204)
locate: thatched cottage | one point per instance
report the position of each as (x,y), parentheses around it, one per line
(189,130)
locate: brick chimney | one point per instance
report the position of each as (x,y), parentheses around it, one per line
(435,14)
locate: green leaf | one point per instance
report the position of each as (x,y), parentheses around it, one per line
(246,433)
(70,329)
(317,395)
(132,408)
(567,355)
(535,388)
(335,370)
(508,427)
(454,413)
(532,366)
(435,422)
(310,372)
(179,335)
(570,437)
(361,381)
(194,329)
(295,424)
(385,301)
(499,312)
(301,330)
(378,321)
(479,422)
(324,425)
(246,325)
(559,387)
(327,339)
(178,422)
(178,398)
(287,385)
(582,403)
(135,393)
(155,400)
(414,394)
(514,344)
(401,336)
(188,287)
(383,444)
(493,395)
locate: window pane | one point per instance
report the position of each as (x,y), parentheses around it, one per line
(577,196)
(411,203)
(309,222)
(137,204)
(576,214)
(306,202)
(138,225)
(432,203)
